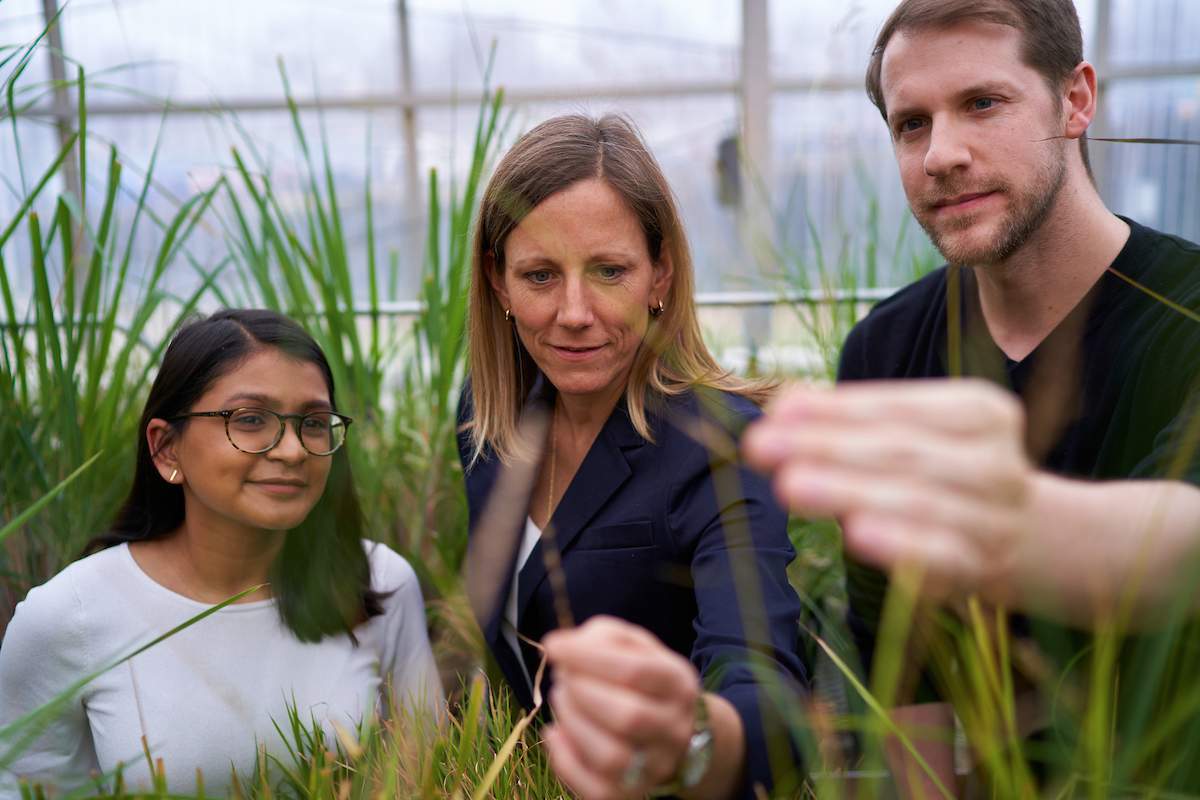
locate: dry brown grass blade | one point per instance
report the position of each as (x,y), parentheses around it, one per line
(514,736)
(489,555)
(1144,140)
(1131,140)
(557,578)
(1166,301)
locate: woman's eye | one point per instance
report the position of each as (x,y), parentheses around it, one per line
(247,420)
(539,276)
(609,272)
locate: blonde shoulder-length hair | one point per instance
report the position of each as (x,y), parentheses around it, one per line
(673,357)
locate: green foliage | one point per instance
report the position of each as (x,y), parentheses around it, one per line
(76,355)
(836,278)
(403,452)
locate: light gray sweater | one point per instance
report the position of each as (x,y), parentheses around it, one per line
(204,698)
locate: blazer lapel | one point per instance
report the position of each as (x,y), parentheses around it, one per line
(603,471)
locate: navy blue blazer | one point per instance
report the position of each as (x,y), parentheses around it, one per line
(683,542)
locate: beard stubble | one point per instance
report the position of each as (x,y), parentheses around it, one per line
(1028,209)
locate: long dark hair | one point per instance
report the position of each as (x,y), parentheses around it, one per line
(321,578)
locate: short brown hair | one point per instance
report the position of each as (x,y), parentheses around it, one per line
(1052,41)
(673,358)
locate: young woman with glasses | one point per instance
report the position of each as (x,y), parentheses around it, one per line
(241,480)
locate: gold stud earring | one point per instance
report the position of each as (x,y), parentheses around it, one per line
(171,479)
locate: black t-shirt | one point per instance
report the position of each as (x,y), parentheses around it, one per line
(1108,394)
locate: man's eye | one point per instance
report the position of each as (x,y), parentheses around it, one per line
(982,103)
(909,125)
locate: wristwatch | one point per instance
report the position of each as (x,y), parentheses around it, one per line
(696,758)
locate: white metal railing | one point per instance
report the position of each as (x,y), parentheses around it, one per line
(761,299)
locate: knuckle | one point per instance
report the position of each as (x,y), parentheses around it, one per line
(633,720)
(902,455)
(996,405)
(789,486)
(611,760)
(1015,490)
(995,571)
(637,673)
(897,498)
(1008,410)
(600,622)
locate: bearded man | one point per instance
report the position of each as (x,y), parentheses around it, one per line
(1060,477)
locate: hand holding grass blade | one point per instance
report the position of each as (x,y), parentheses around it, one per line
(934,473)
(619,695)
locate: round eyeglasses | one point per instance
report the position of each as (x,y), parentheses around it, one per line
(257,430)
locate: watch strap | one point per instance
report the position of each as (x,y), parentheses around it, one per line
(696,757)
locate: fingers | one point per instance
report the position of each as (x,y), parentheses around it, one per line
(606,754)
(633,716)
(950,564)
(958,406)
(984,466)
(958,409)
(570,768)
(974,448)
(620,697)
(623,654)
(836,492)
(926,472)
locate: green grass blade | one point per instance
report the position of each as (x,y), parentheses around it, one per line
(14,524)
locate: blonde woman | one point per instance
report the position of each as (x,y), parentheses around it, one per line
(674,556)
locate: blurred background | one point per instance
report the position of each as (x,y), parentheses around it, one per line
(755,108)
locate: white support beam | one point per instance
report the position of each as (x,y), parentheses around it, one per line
(754,214)
(1181,69)
(61,112)
(65,123)
(756,88)
(415,99)
(408,111)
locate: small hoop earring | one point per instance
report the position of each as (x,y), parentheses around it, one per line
(508,315)
(656,311)
(171,479)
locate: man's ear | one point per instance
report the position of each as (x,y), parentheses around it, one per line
(1079,102)
(495,278)
(160,436)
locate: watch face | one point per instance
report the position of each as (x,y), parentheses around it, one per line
(697,758)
